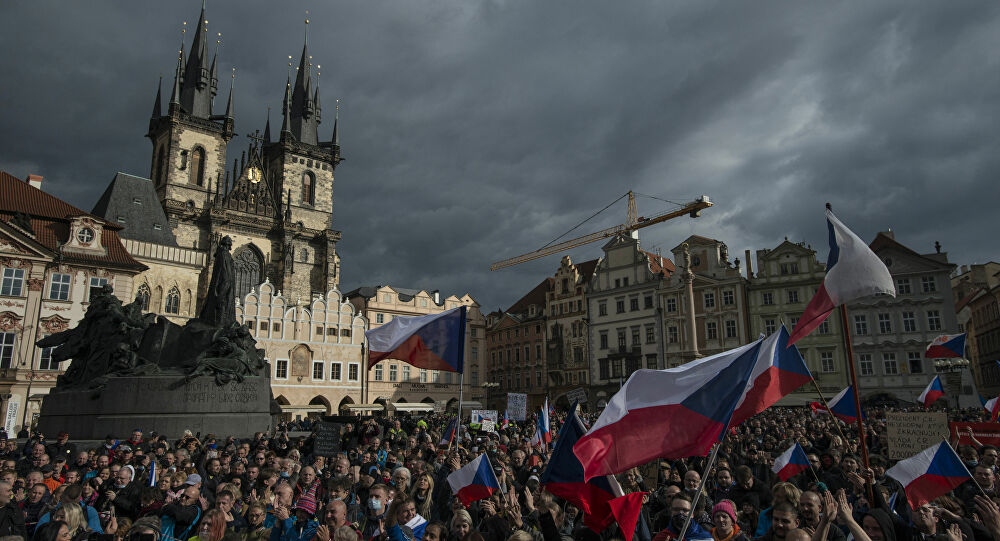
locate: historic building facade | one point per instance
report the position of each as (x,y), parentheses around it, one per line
(515,342)
(704,302)
(624,317)
(977,288)
(395,386)
(52,256)
(567,362)
(785,280)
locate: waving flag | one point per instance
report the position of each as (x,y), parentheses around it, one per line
(417,525)
(791,463)
(474,481)
(946,346)
(543,430)
(933,472)
(432,342)
(626,510)
(780,370)
(852,271)
(993,406)
(843,407)
(151,481)
(449,433)
(563,477)
(933,391)
(672,413)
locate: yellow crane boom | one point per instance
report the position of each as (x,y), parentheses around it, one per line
(693,209)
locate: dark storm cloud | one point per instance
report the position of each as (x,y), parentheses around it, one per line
(475,131)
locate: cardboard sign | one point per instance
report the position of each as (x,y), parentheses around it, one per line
(517,406)
(577,395)
(488,426)
(911,433)
(477,416)
(327,438)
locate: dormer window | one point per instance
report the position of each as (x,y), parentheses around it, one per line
(85,235)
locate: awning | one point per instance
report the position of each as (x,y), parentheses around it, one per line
(472,405)
(413,406)
(365,407)
(309,408)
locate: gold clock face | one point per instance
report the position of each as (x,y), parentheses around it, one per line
(253,175)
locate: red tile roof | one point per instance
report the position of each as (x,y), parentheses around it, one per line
(50,222)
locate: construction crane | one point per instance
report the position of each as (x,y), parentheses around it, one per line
(634,222)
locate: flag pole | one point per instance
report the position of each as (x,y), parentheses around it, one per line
(701,486)
(849,350)
(826,404)
(458,418)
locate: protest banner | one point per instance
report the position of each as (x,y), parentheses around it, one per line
(912,432)
(985,433)
(517,406)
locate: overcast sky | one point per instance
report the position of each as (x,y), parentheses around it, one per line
(478,130)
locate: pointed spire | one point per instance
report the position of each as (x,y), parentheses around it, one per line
(304,112)
(175,94)
(267,127)
(336,120)
(157,107)
(286,124)
(229,104)
(199,85)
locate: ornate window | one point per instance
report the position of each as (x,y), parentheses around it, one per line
(248,264)
(308,188)
(173,304)
(143,295)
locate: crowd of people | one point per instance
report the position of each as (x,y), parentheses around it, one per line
(387,481)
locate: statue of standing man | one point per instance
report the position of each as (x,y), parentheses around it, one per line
(220,304)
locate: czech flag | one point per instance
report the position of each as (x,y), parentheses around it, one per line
(674,413)
(432,342)
(474,481)
(842,406)
(791,463)
(933,472)
(930,395)
(993,406)
(852,271)
(449,433)
(946,346)
(779,371)
(563,477)
(543,432)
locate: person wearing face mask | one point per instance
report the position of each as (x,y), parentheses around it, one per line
(372,524)
(680,510)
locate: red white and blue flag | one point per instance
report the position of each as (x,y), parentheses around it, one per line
(543,430)
(474,481)
(449,433)
(563,477)
(933,472)
(852,271)
(946,346)
(843,406)
(432,342)
(777,373)
(993,406)
(682,411)
(933,391)
(791,463)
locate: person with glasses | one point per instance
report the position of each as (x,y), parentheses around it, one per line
(256,530)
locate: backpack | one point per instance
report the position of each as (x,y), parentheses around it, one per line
(167,528)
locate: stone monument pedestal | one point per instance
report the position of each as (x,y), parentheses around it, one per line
(148,403)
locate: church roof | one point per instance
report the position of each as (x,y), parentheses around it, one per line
(50,219)
(131,202)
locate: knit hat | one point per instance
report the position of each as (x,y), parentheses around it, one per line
(306,503)
(725,506)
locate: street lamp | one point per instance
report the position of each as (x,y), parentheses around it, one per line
(488,388)
(952,368)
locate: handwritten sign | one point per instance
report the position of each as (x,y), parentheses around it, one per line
(517,406)
(911,433)
(327,438)
(488,426)
(577,395)
(478,416)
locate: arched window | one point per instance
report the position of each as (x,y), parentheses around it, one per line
(308,188)
(248,263)
(173,304)
(143,295)
(197,167)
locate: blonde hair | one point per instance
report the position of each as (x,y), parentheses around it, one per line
(786,492)
(74,518)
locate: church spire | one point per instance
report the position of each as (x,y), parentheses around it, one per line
(335,142)
(157,107)
(267,127)
(305,117)
(200,84)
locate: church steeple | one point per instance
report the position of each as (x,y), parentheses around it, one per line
(199,83)
(303,112)
(157,108)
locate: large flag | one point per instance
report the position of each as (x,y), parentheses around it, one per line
(946,346)
(432,342)
(779,371)
(626,510)
(791,463)
(543,430)
(843,407)
(474,481)
(931,473)
(852,271)
(563,477)
(933,391)
(993,406)
(674,413)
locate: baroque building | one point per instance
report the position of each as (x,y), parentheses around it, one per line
(978,289)
(515,343)
(568,353)
(52,257)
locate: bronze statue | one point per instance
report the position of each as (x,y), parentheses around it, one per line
(220,304)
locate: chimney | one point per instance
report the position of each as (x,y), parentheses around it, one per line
(35,181)
(749,263)
(437,297)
